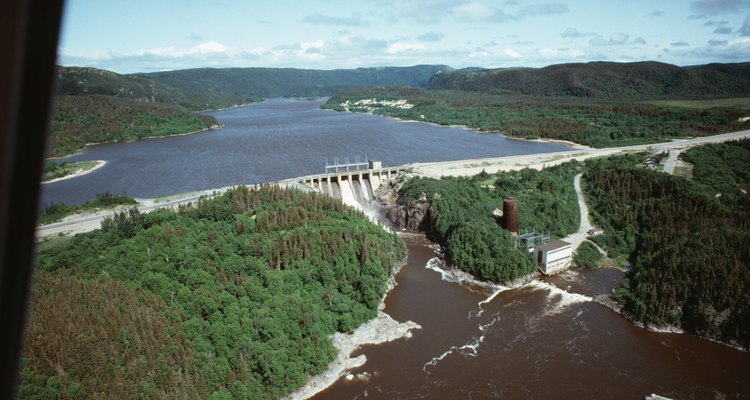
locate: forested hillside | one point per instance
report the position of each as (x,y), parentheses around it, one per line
(688,248)
(640,80)
(79,120)
(76,81)
(460,216)
(592,122)
(95,106)
(233,298)
(252,84)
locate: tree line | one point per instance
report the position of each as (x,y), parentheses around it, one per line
(688,249)
(245,290)
(461,216)
(596,122)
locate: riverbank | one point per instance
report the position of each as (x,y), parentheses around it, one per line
(79,172)
(381,329)
(492,132)
(81,150)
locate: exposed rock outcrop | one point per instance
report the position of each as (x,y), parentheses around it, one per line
(417,217)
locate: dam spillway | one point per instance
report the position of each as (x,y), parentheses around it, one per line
(351,186)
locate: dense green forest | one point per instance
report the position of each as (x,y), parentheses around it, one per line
(79,120)
(638,80)
(592,122)
(248,84)
(233,297)
(688,248)
(460,216)
(54,212)
(587,256)
(213,88)
(724,168)
(77,81)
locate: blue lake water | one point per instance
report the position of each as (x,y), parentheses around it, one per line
(270,141)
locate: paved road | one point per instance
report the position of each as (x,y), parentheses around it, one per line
(91,221)
(585,225)
(672,160)
(464,167)
(539,161)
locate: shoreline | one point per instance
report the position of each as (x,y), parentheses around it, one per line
(573,145)
(379,330)
(607,301)
(462,278)
(80,151)
(79,172)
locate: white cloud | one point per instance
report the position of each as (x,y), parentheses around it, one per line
(315,44)
(619,38)
(512,53)
(477,11)
(745,28)
(715,7)
(616,39)
(560,54)
(574,33)
(400,47)
(723,30)
(431,37)
(543,9)
(355,19)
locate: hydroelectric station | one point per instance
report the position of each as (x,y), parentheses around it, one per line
(351,180)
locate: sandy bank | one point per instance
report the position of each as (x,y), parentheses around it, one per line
(78,172)
(382,329)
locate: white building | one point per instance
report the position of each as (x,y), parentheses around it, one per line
(553,257)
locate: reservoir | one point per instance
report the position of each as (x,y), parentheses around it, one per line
(268,142)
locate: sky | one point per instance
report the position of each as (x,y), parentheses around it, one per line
(129,36)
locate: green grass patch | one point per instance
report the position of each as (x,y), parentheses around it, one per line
(60,170)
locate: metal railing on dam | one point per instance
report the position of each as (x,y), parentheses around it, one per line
(356,185)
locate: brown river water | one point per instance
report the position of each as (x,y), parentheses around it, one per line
(545,340)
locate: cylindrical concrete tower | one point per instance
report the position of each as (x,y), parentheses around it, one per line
(510,214)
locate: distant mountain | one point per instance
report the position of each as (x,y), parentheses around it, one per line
(212,88)
(78,81)
(605,79)
(94,105)
(248,84)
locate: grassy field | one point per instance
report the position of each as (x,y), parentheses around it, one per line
(737,102)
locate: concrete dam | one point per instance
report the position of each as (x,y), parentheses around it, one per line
(352,186)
